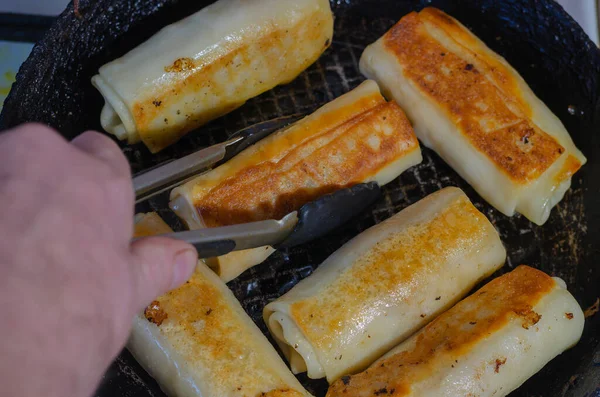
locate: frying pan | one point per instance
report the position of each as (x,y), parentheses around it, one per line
(537,37)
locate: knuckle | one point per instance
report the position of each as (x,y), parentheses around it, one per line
(36,133)
(30,140)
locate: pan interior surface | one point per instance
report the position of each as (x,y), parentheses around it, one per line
(537,37)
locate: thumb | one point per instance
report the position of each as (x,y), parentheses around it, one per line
(160,264)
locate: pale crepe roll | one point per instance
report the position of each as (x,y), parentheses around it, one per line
(209,64)
(384,285)
(470,106)
(197,340)
(358,137)
(487,345)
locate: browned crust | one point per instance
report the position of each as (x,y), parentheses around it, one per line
(398,263)
(208,330)
(281,393)
(499,362)
(180,65)
(197,300)
(570,167)
(203,327)
(155,314)
(453,334)
(469,42)
(150,225)
(335,158)
(529,318)
(482,99)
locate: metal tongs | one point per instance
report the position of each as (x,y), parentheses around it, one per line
(169,175)
(311,221)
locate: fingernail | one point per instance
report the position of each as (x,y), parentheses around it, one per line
(185,263)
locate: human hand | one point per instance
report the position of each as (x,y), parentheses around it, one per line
(70,281)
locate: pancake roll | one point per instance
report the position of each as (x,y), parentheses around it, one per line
(208,64)
(487,345)
(358,137)
(471,107)
(197,340)
(385,284)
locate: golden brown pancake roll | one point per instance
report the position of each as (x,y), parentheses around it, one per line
(197,340)
(470,106)
(208,64)
(385,284)
(358,137)
(487,345)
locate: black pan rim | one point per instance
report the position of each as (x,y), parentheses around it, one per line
(34,68)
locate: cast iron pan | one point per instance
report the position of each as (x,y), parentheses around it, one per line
(536,36)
